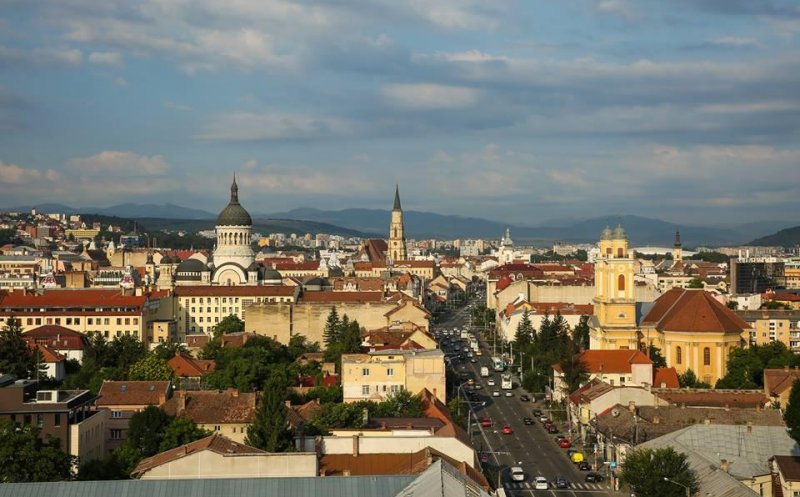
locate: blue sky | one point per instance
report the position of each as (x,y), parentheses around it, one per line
(522,111)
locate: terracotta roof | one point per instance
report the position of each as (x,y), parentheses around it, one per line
(210,407)
(610,361)
(234,291)
(197,341)
(214,443)
(434,408)
(362,266)
(80,298)
(693,311)
(590,390)
(695,397)
(665,378)
(189,367)
(503,282)
(407,302)
(296,415)
(236,340)
(341,297)
(297,266)
(134,393)
(56,337)
(412,264)
(47,354)
(777,381)
(789,466)
(782,297)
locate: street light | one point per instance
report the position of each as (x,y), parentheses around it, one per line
(685,487)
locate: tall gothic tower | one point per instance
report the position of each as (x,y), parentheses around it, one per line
(677,249)
(614,301)
(397,236)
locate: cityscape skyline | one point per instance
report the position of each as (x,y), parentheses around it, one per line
(519,111)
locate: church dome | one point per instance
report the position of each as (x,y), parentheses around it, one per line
(619,233)
(607,234)
(271,274)
(234,214)
(191,266)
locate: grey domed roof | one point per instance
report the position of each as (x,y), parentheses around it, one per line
(606,235)
(191,266)
(234,214)
(166,259)
(272,274)
(619,233)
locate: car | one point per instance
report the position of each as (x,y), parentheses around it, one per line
(524,398)
(577,457)
(571,451)
(561,482)
(537,413)
(551,428)
(486,422)
(496,393)
(540,483)
(543,419)
(478,352)
(564,444)
(470,354)
(509,394)
(517,474)
(473,360)
(559,438)
(593,477)
(491,382)
(584,466)
(527,421)
(507,430)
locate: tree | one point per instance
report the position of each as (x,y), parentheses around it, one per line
(401,404)
(145,434)
(330,334)
(168,350)
(645,470)
(689,380)
(269,430)
(581,333)
(16,357)
(299,345)
(695,283)
(732,304)
(655,355)
(525,330)
(229,324)
(181,431)
(151,368)
(27,458)
(575,371)
(792,414)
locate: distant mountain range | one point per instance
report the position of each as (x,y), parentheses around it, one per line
(789,237)
(374,222)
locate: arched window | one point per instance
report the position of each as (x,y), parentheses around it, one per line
(678,355)
(621,283)
(706,357)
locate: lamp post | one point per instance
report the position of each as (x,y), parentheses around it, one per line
(685,487)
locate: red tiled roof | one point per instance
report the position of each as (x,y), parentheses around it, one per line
(777,381)
(81,298)
(197,341)
(610,361)
(133,393)
(56,337)
(210,407)
(503,282)
(297,266)
(712,398)
(688,310)
(234,291)
(789,467)
(782,297)
(341,297)
(362,266)
(47,354)
(214,443)
(189,367)
(665,378)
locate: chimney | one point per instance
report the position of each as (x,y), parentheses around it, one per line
(724,465)
(345,472)
(287,403)
(749,427)
(355,445)
(707,421)
(656,420)
(181,401)
(727,407)
(632,406)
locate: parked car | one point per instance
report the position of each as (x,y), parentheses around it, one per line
(537,413)
(524,398)
(543,419)
(577,457)
(594,477)
(507,430)
(559,438)
(486,422)
(491,382)
(561,482)
(517,474)
(584,466)
(509,394)
(496,393)
(540,483)
(565,444)
(527,421)
(551,428)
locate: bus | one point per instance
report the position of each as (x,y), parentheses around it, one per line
(498,364)
(505,382)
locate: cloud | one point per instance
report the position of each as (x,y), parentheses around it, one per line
(249,126)
(119,163)
(40,57)
(106,58)
(13,174)
(430,96)
(619,8)
(303,179)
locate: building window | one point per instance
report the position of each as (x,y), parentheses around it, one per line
(216,428)
(621,283)
(364,389)
(390,372)
(619,252)
(678,355)
(57,419)
(706,356)
(116,434)
(116,414)
(365,372)
(39,420)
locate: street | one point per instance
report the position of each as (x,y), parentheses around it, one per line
(530,446)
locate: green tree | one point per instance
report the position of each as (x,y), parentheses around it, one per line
(575,372)
(695,283)
(145,434)
(655,355)
(229,324)
(299,345)
(168,350)
(401,404)
(181,431)
(330,334)
(269,430)
(27,458)
(122,352)
(525,331)
(689,380)
(581,333)
(15,356)
(792,414)
(151,368)
(645,470)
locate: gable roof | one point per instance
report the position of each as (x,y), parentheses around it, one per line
(210,407)
(701,397)
(57,337)
(665,378)
(325,296)
(610,361)
(46,354)
(777,381)
(133,393)
(188,367)
(789,466)
(214,443)
(693,310)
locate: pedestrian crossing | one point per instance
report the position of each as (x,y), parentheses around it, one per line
(526,485)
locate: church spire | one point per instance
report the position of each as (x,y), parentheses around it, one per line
(397,198)
(234,190)
(677,238)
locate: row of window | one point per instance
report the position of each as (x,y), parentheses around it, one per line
(706,356)
(389,372)
(365,389)
(27,419)
(77,321)
(234,310)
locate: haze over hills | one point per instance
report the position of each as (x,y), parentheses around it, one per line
(789,237)
(127,210)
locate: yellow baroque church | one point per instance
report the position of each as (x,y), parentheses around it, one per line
(693,329)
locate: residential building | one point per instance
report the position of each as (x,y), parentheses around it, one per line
(709,397)
(227,412)
(786,469)
(406,335)
(61,340)
(756,274)
(378,374)
(509,318)
(778,384)
(122,399)
(772,325)
(66,415)
(614,367)
(216,456)
(187,367)
(53,363)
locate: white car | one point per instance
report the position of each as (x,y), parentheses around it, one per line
(509,394)
(517,474)
(496,393)
(491,382)
(540,483)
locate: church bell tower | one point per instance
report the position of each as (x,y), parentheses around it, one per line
(397,237)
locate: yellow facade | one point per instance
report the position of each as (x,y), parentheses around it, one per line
(377,375)
(705,353)
(614,301)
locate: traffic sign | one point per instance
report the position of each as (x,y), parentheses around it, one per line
(613,464)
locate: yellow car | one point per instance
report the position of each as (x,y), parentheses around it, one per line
(576,457)
(478,352)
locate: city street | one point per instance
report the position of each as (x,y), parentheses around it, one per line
(529,447)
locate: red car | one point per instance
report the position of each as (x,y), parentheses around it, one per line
(507,430)
(486,422)
(564,444)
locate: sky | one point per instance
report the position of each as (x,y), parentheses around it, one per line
(520,111)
